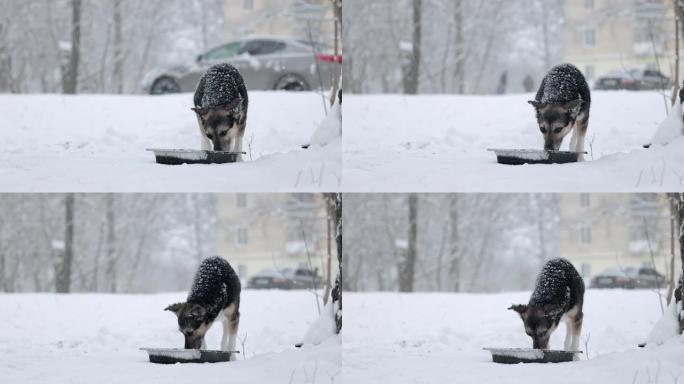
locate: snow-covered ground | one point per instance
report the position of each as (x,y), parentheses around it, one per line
(93,338)
(395,143)
(56,143)
(438,338)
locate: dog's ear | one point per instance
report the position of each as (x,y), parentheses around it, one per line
(175,308)
(574,106)
(520,308)
(536,104)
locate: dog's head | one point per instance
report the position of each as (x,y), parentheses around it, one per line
(220,125)
(556,121)
(539,321)
(193,323)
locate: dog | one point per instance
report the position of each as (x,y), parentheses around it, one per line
(221,104)
(558,294)
(562,105)
(214,296)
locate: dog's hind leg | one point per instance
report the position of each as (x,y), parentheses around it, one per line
(574,325)
(230,328)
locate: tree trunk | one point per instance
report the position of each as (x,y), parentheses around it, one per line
(459,67)
(455,269)
(66,257)
(110,273)
(408,261)
(118,47)
(679,214)
(335,207)
(411,83)
(70,81)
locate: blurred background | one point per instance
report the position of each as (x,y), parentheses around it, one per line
(137,243)
(507,46)
(124,46)
(499,242)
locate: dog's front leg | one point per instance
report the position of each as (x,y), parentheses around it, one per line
(238,146)
(581,127)
(204,344)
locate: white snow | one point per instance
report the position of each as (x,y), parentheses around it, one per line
(436,143)
(670,129)
(56,143)
(438,338)
(323,328)
(94,338)
(330,128)
(667,327)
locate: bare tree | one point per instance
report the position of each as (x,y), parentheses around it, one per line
(334,202)
(110,213)
(65,256)
(411,82)
(678,212)
(70,79)
(407,263)
(118,46)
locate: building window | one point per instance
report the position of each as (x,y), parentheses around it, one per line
(590,72)
(585,200)
(588,4)
(242,236)
(586,270)
(589,37)
(249,5)
(585,234)
(241,200)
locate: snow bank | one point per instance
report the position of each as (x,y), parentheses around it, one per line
(671,128)
(438,338)
(93,143)
(439,144)
(95,338)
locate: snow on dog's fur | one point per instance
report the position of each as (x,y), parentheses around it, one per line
(558,294)
(562,105)
(214,296)
(221,104)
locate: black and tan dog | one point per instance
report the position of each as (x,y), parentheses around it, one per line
(562,105)
(221,103)
(558,294)
(214,296)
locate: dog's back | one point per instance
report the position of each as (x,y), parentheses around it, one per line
(558,285)
(216,286)
(562,84)
(221,86)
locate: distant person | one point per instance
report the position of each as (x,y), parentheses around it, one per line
(528,84)
(503,83)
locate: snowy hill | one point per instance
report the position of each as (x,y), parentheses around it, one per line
(94,338)
(97,144)
(439,143)
(438,338)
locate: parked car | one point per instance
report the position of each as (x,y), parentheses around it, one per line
(286,278)
(270,63)
(628,278)
(271,278)
(633,80)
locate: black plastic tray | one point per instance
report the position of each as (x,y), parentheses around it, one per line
(189,156)
(175,355)
(534,156)
(529,355)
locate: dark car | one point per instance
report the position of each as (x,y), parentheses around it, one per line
(628,278)
(286,278)
(271,278)
(266,63)
(633,80)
